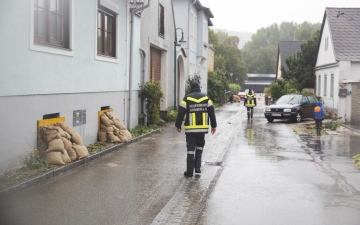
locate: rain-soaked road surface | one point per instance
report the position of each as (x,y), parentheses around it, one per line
(254,172)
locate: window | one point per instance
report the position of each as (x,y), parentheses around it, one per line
(205,33)
(332,86)
(106,31)
(193,25)
(319,85)
(326,43)
(304,100)
(161,21)
(325,85)
(51,23)
(312,99)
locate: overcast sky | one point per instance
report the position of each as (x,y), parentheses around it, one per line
(251,15)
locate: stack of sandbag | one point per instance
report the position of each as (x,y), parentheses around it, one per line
(112,129)
(60,144)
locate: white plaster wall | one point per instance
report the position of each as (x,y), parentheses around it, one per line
(325,57)
(27,72)
(36,83)
(19,116)
(355,70)
(150,37)
(329,101)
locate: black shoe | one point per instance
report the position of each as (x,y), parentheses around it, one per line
(187,174)
(197,170)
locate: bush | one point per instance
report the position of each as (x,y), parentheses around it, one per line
(171,115)
(217,86)
(153,93)
(235,88)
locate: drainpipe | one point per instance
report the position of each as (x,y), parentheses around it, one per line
(131,56)
(143,106)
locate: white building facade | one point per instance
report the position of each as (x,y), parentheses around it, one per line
(337,70)
(193,19)
(62,57)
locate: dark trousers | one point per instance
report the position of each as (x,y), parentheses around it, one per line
(194,144)
(318,124)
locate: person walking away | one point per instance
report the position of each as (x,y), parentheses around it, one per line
(197,109)
(230,95)
(319,116)
(250,103)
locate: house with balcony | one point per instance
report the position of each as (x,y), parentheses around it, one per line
(192,21)
(65,59)
(337,69)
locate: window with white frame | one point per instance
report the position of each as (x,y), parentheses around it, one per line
(325,85)
(193,25)
(332,86)
(106,29)
(51,26)
(161,21)
(205,33)
(51,23)
(319,85)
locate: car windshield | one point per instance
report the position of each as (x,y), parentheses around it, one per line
(288,99)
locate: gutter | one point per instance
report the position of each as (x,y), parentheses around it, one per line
(131,56)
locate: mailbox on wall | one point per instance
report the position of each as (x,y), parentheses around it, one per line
(343,92)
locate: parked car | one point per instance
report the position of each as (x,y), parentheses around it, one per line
(242,94)
(293,107)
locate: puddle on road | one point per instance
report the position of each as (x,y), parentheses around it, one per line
(333,147)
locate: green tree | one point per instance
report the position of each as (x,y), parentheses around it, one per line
(260,54)
(217,86)
(300,66)
(213,37)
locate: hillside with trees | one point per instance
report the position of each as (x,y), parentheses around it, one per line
(260,54)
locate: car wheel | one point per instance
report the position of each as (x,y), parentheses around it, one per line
(298,117)
(270,120)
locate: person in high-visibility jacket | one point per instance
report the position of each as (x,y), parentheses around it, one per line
(197,109)
(250,103)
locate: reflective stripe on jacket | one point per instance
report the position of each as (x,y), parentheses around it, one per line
(198,109)
(250,100)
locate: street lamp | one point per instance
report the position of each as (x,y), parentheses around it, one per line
(175,63)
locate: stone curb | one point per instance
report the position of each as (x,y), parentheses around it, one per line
(350,128)
(48,175)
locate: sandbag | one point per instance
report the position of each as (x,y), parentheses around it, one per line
(76,138)
(103,127)
(127,134)
(72,154)
(65,157)
(80,152)
(56,145)
(119,124)
(113,138)
(122,136)
(67,143)
(105,120)
(49,133)
(85,150)
(110,129)
(65,127)
(54,158)
(102,136)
